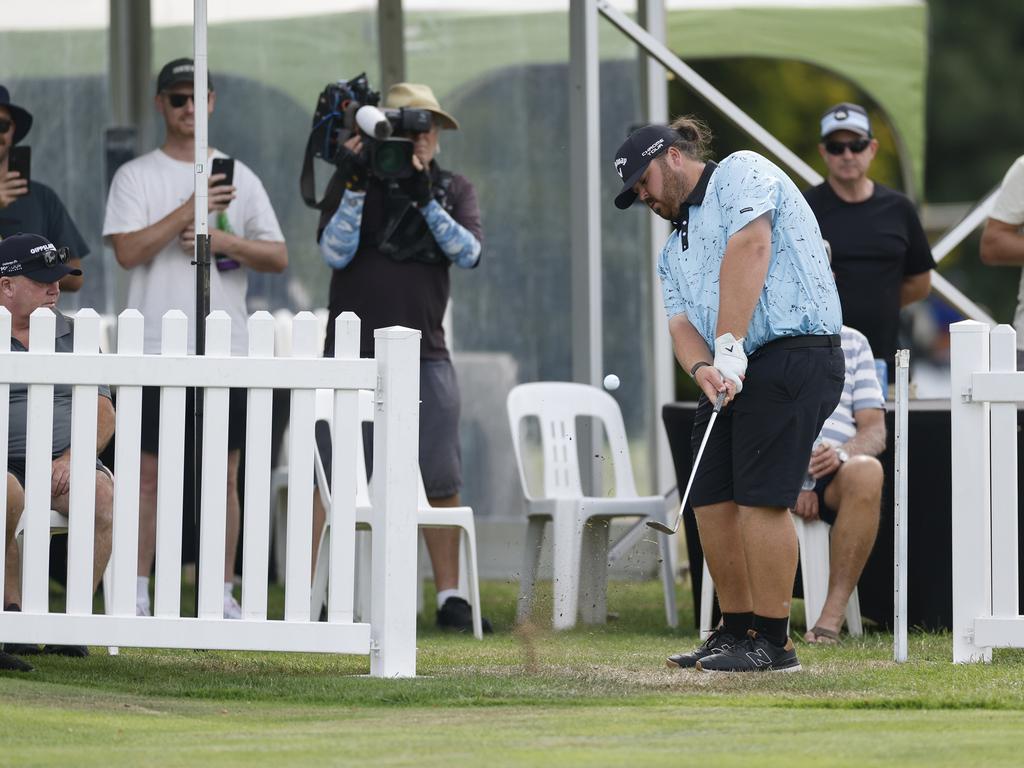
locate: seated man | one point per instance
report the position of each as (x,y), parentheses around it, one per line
(30,270)
(847,493)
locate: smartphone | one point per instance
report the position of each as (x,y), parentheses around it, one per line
(20,159)
(225,165)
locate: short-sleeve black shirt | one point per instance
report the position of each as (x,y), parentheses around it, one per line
(41,212)
(875,245)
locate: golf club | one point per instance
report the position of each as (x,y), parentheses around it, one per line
(693,472)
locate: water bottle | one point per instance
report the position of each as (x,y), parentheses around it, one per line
(809,481)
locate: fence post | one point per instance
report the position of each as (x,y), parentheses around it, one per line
(395,479)
(899,624)
(170,458)
(1003,346)
(82,499)
(35,583)
(971,502)
(124,554)
(256,535)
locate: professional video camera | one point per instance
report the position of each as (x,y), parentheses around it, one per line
(347,107)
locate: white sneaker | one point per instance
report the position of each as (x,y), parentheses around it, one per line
(142,609)
(232,610)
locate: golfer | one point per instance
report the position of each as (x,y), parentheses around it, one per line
(753,312)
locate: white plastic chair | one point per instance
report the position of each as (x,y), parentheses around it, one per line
(59,525)
(429,517)
(813,540)
(580,523)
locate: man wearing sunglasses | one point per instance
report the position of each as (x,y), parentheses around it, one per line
(880,255)
(31,269)
(27,205)
(149,223)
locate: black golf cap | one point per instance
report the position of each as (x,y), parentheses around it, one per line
(33,256)
(179,71)
(636,153)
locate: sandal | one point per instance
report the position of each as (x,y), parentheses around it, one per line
(822,636)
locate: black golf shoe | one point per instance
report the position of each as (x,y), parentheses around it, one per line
(13,663)
(719,640)
(456,615)
(753,653)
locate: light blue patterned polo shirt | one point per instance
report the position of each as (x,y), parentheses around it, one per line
(799,297)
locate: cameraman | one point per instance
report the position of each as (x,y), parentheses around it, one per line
(390,245)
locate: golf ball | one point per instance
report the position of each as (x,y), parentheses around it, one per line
(611,382)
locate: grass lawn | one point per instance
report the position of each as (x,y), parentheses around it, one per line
(593,696)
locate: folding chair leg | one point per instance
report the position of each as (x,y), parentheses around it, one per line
(568,542)
(531,561)
(472,577)
(707,599)
(593,599)
(853,622)
(321,569)
(363,575)
(668,579)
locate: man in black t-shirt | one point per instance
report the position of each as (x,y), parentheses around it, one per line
(880,255)
(30,206)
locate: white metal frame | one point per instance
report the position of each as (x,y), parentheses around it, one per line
(985,391)
(390,636)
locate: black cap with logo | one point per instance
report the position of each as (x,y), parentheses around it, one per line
(179,71)
(35,257)
(636,153)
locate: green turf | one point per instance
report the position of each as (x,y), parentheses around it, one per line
(592,696)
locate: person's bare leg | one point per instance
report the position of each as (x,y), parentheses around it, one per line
(103,528)
(12,569)
(319,519)
(720,538)
(856,495)
(147,513)
(770,545)
(234,514)
(443,546)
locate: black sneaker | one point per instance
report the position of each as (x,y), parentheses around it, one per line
(13,663)
(74,651)
(456,615)
(754,653)
(719,640)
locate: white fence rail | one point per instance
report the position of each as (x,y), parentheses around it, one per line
(985,391)
(389,638)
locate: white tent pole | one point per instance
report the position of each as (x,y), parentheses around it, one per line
(202,119)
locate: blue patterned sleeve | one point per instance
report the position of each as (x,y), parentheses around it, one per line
(340,239)
(456,242)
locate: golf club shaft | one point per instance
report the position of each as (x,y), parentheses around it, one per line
(696,462)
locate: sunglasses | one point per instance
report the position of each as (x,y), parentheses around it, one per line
(5,124)
(838,147)
(44,260)
(179,100)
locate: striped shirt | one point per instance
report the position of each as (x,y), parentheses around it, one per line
(860,390)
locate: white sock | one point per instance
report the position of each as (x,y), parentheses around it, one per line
(142,590)
(229,589)
(444,594)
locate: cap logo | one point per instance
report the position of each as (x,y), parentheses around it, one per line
(39,248)
(655,147)
(183,68)
(620,163)
(841,114)
(10,267)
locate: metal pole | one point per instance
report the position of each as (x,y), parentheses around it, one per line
(391,42)
(899,582)
(202,255)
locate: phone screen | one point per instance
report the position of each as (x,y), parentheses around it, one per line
(20,160)
(225,165)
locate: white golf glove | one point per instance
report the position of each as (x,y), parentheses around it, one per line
(730,359)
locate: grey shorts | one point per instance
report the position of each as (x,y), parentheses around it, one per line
(440,457)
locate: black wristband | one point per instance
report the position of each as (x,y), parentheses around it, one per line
(697,367)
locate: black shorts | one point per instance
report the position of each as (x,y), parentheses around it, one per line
(17,468)
(758,452)
(151,419)
(825,512)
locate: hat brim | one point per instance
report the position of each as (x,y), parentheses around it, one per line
(52,274)
(627,196)
(444,120)
(22,121)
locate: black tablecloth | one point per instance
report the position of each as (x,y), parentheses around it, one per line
(929,577)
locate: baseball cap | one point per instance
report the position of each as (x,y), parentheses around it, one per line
(635,154)
(846,117)
(34,256)
(179,71)
(416,96)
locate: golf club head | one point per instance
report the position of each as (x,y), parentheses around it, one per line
(661,527)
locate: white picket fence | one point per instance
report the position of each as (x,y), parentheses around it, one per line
(389,638)
(985,390)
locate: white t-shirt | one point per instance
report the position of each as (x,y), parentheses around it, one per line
(1009,209)
(144,191)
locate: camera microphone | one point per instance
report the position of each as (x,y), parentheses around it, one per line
(373,122)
